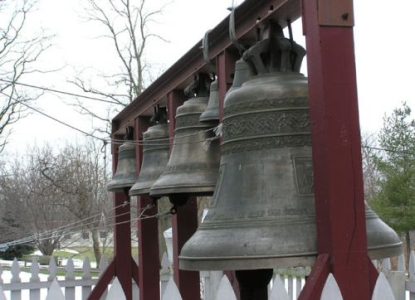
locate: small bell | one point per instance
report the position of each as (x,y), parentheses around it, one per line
(126,173)
(156,150)
(212,110)
(192,168)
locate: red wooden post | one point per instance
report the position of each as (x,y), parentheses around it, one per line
(122,265)
(184,226)
(148,243)
(340,213)
(225,67)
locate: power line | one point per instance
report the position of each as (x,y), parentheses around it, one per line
(44,236)
(58,91)
(389,150)
(53,118)
(115,141)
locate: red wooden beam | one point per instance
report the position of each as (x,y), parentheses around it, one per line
(103,282)
(340,213)
(248,16)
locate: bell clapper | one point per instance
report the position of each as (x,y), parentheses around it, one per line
(253,284)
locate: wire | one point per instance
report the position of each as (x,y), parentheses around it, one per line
(389,150)
(68,227)
(57,91)
(52,118)
(35,238)
(115,141)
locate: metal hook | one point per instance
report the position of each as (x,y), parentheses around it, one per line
(232,32)
(205,47)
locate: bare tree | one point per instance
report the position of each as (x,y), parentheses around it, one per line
(126,24)
(56,191)
(29,205)
(18,56)
(78,173)
(370,172)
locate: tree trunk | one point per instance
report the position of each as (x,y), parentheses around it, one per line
(95,245)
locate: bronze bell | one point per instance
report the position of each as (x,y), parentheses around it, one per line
(126,173)
(212,110)
(156,148)
(262,212)
(194,161)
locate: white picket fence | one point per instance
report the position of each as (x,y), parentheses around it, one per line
(392,284)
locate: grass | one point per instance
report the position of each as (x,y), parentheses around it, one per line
(87,252)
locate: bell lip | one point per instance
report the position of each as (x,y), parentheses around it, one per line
(382,251)
(265,262)
(209,116)
(191,190)
(244,263)
(139,191)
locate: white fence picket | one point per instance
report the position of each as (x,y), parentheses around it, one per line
(172,292)
(211,283)
(386,265)
(52,269)
(34,270)
(70,270)
(116,292)
(225,290)
(16,294)
(55,292)
(86,268)
(2,295)
(278,290)
(382,289)
(331,289)
(401,263)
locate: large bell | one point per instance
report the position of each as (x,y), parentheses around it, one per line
(156,148)
(262,213)
(126,173)
(194,161)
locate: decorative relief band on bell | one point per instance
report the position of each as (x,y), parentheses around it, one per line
(187,167)
(126,153)
(149,176)
(265,123)
(303,167)
(188,120)
(284,103)
(242,145)
(284,213)
(156,145)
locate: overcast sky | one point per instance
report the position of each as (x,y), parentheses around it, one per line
(384,42)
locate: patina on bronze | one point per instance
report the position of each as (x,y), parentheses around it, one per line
(194,161)
(156,148)
(262,212)
(126,173)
